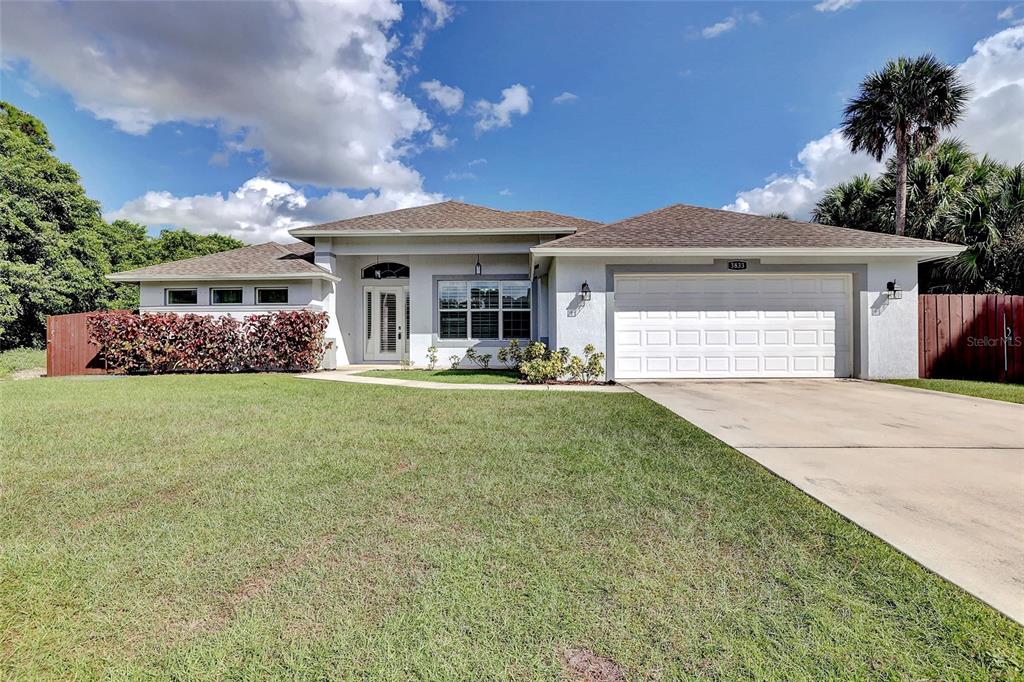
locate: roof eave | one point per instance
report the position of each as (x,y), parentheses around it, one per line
(922,253)
(129,277)
(305,232)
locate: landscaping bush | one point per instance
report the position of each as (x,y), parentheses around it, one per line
(158,343)
(511,355)
(543,366)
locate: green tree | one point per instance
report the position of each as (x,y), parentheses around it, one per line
(55,247)
(904,106)
(857,204)
(952,196)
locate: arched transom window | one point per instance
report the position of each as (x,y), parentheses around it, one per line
(386,271)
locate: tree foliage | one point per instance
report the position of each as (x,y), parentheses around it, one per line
(905,107)
(953,196)
(55,247)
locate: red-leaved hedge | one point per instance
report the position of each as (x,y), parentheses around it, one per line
(158,343)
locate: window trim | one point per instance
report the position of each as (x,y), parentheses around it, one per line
(368,268)
(168,290)
(469,340)
(288,295)
(238,289)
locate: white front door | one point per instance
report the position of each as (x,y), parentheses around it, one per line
(753,325)
(386,317)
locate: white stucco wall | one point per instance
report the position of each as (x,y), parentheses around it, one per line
(301,294)
(892,325)
(885,343)
(426,257)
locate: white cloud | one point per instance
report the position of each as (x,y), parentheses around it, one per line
(835,5)
(1010,14)
(991,125)
(261,209)
(448,97)
(729,23)
(439,11)
(459,175)
(723,26)
(436,14)
(476,162)
(309,86)
(565,97)
(505,192)
(515,99)
(438,140)
(821,163)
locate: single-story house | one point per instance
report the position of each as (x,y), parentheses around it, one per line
(681,292)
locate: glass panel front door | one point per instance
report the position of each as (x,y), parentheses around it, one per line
(386,321)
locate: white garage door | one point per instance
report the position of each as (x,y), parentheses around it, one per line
(705,326)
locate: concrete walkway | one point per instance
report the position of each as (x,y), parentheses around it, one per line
(349,374)
(938,476)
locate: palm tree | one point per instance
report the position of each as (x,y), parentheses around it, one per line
(905,106)
(855,204)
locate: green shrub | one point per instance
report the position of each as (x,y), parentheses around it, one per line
(481,361)
(512,355)
(455,360)
(432,358)
(535,350)
(592,364)
(545,365)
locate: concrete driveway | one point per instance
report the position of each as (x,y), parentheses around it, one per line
(938,476)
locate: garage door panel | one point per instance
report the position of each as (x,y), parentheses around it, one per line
(732,326)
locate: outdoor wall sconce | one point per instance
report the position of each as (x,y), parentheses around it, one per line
(479,269)
(585,291)
(376,270)
(893,290)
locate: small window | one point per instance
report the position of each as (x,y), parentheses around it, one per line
(182,296)
(272,296)
(386,271)
(225,296)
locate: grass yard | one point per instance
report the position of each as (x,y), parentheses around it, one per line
(447,376)
(1011,393)
(262,526)
(17,359)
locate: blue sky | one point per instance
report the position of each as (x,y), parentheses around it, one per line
(670,102)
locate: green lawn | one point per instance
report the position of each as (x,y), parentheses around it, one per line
(447,376)
(1011,393)
(262,526)
(17,359)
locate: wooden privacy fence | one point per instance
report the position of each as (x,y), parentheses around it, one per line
(971,336)
(68,350)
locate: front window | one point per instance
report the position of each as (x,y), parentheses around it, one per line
(271,295)
(484,309)
(182,296)
(226,296)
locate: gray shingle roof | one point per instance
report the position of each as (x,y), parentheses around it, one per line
(579,224)
(260,260)
(681,226)
(447,216)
